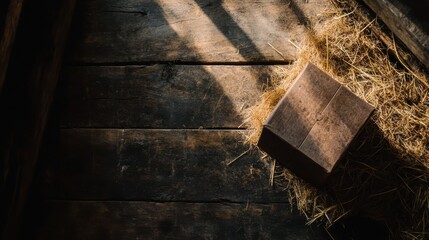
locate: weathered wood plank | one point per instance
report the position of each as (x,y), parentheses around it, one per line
(161,96)
(158,165)
(408,20)
(144,220)
(203,30)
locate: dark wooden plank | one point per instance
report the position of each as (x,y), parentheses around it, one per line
(161,96)
(7,38)
(26,101)
(160,165)
(144,220)
(408,20)
(203,30)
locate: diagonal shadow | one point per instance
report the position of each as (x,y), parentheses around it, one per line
(225,23)
(374,181)
(302,18)
(231,30)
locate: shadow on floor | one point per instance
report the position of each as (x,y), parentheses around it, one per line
(379,185)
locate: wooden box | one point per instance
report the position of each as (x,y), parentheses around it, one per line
(313,124)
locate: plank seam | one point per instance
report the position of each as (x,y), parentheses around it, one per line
(167,201)
(178,63)
(155,129)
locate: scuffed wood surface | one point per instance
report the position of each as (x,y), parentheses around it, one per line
(161,96)
(145,220)
(197,31)
(164,182)
(399,17)
(161,165)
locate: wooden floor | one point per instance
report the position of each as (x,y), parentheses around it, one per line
(150,105)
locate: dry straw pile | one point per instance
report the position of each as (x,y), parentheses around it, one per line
(385,175)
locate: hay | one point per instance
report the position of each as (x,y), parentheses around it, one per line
(385,175)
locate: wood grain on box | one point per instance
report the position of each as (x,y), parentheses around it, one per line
(313,124)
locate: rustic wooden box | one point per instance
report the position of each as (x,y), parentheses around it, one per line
(313,124)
